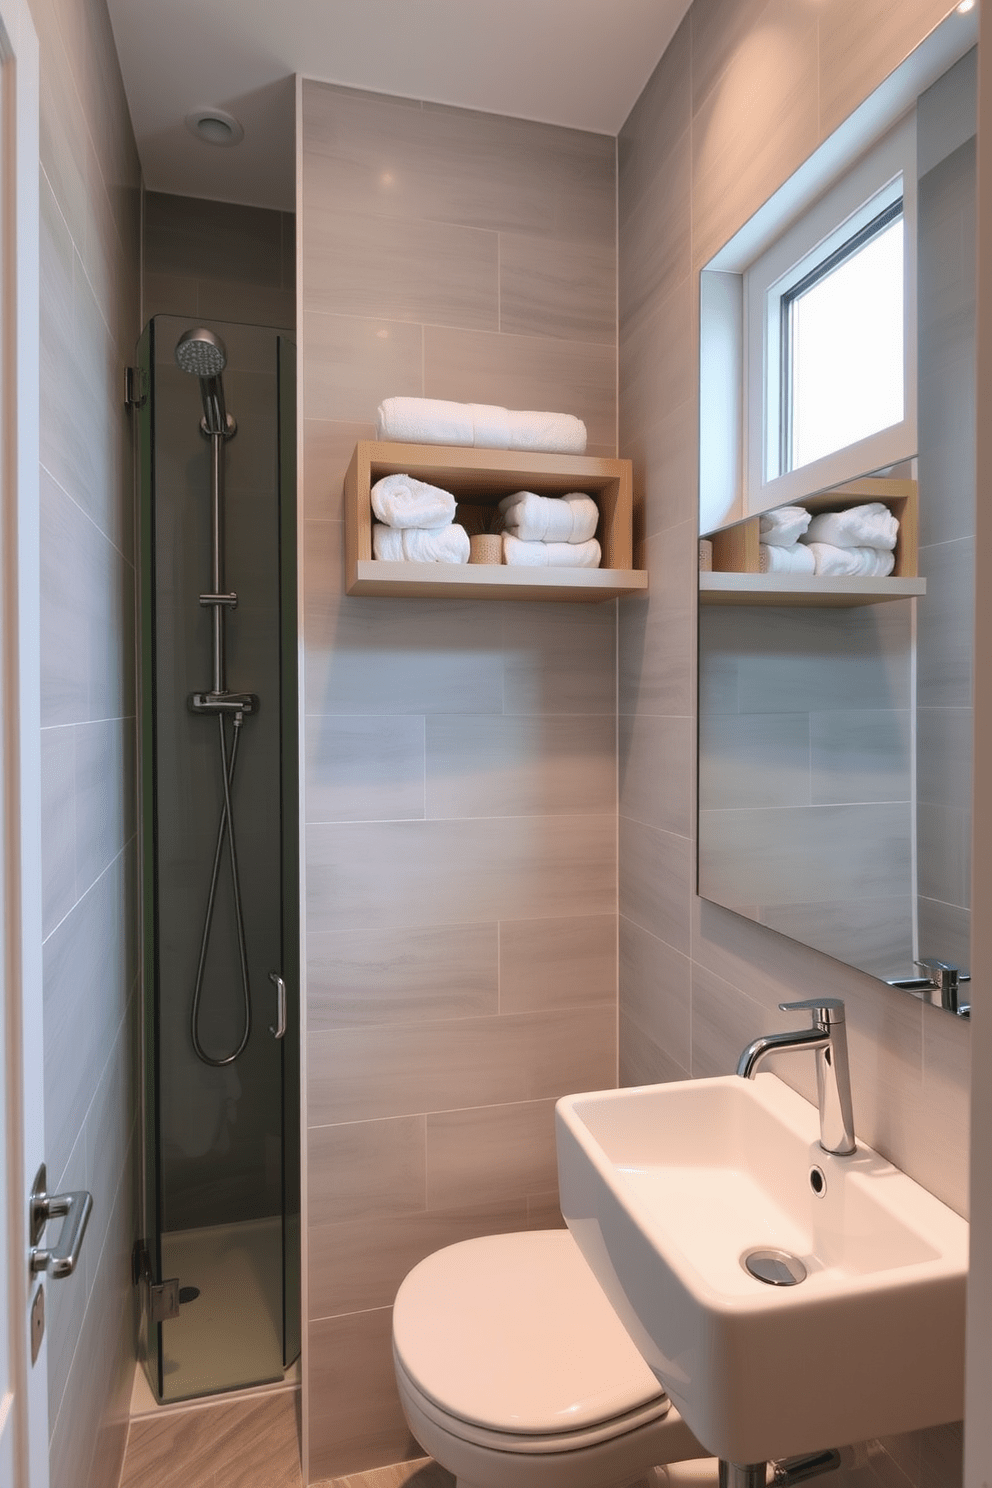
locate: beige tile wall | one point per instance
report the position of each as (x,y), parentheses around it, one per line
(461,757)
(745,91)
(90,250)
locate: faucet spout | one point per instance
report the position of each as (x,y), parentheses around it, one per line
(828,1039)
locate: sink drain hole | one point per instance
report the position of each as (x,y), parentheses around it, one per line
(776,1267)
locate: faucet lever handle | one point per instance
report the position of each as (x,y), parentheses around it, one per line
(827,1010)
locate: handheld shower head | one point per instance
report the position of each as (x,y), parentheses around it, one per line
(204,355)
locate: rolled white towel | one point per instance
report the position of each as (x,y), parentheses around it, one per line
(424,421)
(435,421)
(402,501)
(519,554)
(780,529)
(869,526)
(448,544)
(773,558)
(869,563)
(571,519)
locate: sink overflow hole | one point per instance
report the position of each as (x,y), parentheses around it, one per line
(817,1180)
(776,1267)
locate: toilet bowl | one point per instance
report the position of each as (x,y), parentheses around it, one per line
(514,1371)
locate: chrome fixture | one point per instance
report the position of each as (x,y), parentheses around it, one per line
(74,1209)
(784,1474)
(204,355)
(828,1037)
(941,986)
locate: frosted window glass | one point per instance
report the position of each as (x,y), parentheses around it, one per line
(846,343)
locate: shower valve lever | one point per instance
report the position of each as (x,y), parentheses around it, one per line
(230,600)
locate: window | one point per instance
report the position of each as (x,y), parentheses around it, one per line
(830,335)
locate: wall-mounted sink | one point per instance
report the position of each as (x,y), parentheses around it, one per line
(667,1188)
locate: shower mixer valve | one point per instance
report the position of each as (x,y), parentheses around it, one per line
(223,702)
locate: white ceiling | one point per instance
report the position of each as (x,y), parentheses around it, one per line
(579,63)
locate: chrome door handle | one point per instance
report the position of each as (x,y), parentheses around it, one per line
(278,1029)
(74,1210)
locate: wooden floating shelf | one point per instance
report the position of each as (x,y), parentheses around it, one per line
(803,589)
(480,477)
(736,555)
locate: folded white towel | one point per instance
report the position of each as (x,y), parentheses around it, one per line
(869,526)
(436,421)
(448,544)
(550,555)
(571,519)
(401,501)
(773,558)
(780,529)
(869,563)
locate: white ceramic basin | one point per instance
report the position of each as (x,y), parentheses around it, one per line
(667,1187)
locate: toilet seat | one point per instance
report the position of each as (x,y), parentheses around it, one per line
(532,1360)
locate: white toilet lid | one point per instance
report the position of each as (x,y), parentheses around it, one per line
(513,1332)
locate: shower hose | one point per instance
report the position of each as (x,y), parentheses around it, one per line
(225,829)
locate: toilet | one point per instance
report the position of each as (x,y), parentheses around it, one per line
(514,1372)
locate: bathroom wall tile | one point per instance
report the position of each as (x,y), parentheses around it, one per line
(656,881)
(655,246)
(939,1130)
(358,1422)
(548,287)
(350,364)
(656,359)
(407,873)
(861,755)
(58,825)
(769,83)
(575,377)
(657,981)
(359,265)
(65,1307)
(657,633)
(398,158)
(559,658)
(168,294)
(947,926)
(750,760)
(660,116)
(641,1061)
(557,963)
(658,794)
(540,766)
(370,1169)
(665,458)
(364,769)
(218,240)
(219,299)
(104,795)
(944,848)
(944,652)
(327,451)
(723,1022)
(718,32)
(860,44)
(752,856)
(941,1453)
(873,933)
(490,1154)
(401,975)
(361,1074)
(359,1264)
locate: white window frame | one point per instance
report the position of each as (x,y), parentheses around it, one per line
(872,183)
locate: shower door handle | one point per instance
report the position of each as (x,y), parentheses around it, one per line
(278,1029)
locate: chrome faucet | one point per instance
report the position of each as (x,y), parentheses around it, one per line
(828,1037)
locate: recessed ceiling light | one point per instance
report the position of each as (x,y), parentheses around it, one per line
(965,6)
(215,127)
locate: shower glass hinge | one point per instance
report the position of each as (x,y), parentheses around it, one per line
(135,387)
(163,1300)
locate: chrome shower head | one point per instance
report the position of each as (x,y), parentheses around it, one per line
(204,355)
(201,352)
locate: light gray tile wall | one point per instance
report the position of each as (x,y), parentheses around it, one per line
(745,91)
(90,249)
(215,260)
(461,757)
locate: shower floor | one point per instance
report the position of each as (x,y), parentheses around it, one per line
(230,1335)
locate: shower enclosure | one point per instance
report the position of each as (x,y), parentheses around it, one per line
(218,1268)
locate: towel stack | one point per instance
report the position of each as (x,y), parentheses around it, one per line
(779,548)
(858,542)
(415,523)
(549,531)
(437,421)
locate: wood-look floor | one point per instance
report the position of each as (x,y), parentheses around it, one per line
(422,1472)
(247,1443)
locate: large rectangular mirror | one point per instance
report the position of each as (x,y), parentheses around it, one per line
(837,378)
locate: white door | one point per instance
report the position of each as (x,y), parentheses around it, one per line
(23,1383)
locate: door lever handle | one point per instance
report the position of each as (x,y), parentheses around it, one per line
(278,1029)
(74,1210)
